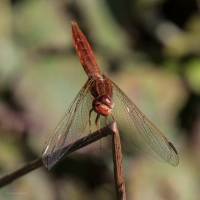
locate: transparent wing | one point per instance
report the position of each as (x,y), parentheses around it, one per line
(138,129)
(70,128)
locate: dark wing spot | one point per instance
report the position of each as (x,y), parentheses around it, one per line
(172,146)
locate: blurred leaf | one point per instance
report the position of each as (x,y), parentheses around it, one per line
(5,22)
(38,25)
(192,74)
(185,42)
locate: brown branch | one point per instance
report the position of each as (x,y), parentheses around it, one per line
(118,167)
(107,130)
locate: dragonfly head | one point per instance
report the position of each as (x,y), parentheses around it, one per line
(103,105)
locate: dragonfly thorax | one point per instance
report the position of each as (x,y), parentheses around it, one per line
(103,105)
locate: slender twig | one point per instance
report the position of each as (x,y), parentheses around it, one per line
(107,130)
(118,167)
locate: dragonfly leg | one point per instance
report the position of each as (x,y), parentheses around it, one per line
(92,98)
(97,122)
(90,113)
(106,118)
(113,117)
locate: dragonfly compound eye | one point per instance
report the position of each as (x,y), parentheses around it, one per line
(103,105)
(106,100)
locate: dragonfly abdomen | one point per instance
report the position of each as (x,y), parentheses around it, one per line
(84,51)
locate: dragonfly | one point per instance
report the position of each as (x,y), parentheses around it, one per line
(102,96)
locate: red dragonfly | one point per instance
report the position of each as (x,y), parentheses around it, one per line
(103,96)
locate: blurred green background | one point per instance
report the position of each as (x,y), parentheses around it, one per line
(150,48)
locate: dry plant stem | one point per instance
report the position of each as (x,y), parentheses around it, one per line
(107,130)
(20,172)
(118,167)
